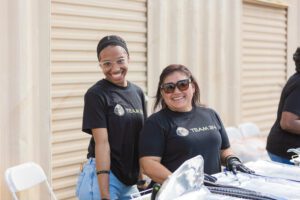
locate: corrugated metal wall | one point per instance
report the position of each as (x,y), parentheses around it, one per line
(205,36)
(264,62)
(77,26)
(25,89)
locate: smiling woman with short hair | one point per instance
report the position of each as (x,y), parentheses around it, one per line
(114,113)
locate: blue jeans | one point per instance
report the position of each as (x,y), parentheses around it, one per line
(87,185)
(279,159)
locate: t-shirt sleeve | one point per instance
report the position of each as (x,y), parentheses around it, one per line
(93,112)
(292,102)
(225,140)
(152,140)
(144,104)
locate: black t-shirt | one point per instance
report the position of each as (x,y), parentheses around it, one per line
(122,111)
(279,140)
(179,136)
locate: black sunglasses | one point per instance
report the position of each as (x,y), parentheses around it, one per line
(182,85)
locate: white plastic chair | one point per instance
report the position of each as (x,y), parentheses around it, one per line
(233,133)
(249,129)
(25,176)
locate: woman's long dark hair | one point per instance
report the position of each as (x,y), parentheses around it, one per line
(166,72)
(296,58)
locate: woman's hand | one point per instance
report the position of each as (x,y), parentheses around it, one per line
(234,164)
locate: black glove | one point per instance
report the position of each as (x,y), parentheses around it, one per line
(234,164)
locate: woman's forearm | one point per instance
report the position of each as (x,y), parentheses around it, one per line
(102,155)
(154,169)
(103,164)
(290,122)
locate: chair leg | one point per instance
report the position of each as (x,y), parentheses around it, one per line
(15,196)
(53,195)
(51,191)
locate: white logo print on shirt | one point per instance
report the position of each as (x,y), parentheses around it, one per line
(204,128)
(119,110)
(180,131)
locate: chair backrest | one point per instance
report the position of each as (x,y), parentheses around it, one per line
(233,133)
(249,129)
(25,176)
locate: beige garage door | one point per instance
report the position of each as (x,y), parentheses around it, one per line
(264,62)
(76,27)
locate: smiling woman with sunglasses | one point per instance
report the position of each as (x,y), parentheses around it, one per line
(183,129)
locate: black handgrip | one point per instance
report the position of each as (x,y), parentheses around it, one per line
(155,190)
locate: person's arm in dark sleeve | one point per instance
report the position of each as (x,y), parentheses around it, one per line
(290,122)
(151,148)
(290,117)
